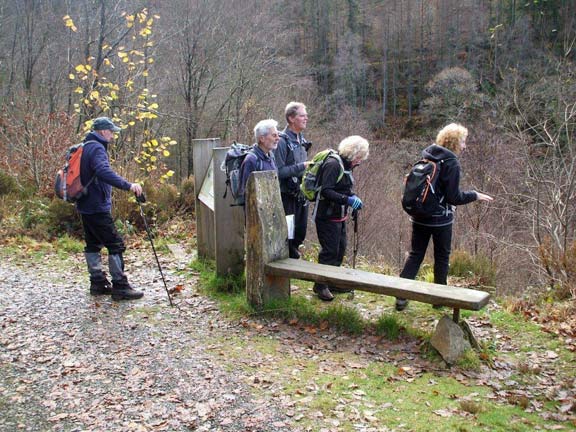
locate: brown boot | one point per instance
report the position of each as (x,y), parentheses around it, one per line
(323,292)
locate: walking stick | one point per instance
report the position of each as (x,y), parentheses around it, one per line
(355,240)
(355,246)
(142,199)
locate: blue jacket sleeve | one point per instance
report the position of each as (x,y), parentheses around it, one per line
(100,164)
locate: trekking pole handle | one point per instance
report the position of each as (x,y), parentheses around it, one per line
(140,198)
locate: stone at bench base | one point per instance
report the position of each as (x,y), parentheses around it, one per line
(449,340)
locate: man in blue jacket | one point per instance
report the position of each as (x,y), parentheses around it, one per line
(260,158)
(95,210)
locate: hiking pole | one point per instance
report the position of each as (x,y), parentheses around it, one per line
(355,240)
(355,246)
(142,199)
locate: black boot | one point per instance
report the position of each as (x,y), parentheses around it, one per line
(401,304)
(323,292)
(338,290)
(100,286)
(121,290)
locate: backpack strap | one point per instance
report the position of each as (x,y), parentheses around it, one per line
(93,179)
(336,156)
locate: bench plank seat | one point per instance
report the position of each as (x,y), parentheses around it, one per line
(454,297)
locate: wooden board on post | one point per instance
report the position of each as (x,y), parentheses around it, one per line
(202,155)
(228,221)
(266,239)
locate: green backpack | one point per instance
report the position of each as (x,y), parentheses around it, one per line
(310,187)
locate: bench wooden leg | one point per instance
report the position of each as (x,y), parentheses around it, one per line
(456,315)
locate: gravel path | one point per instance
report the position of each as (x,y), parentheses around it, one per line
(72,362)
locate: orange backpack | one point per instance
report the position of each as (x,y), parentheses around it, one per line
(68,185)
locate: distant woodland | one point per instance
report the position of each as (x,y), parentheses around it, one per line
(394,71)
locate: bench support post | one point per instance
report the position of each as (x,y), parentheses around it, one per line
(266,239)
(456,315)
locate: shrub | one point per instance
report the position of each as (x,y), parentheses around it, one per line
(7,184)
(62,218)
(452,95)
(34,213)
(478,267)
(187,197)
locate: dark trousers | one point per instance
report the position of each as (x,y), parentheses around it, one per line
(332,238)
(442,240)
(299,208)
(99,232)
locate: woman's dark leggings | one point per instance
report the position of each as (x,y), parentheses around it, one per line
(442,239)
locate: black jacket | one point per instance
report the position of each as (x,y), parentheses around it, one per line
(290,156)
(448,185)
(333,203)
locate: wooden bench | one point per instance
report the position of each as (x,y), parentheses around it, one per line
(268,268)
(342,277)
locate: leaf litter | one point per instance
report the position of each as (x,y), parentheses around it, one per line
(69,361)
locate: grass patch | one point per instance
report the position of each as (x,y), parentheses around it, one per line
(344,318)
(469,360)
(67,245)
(389,326)
(302,310)
(229,291)
(383,392)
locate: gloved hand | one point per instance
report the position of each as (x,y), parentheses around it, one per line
(355,202)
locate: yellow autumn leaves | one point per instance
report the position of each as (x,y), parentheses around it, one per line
(129,102)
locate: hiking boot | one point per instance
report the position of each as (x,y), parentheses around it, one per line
(323,292)
(121,290)
(101,287)
(338,290)
(401,304)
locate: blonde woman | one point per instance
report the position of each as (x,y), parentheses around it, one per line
(450,142)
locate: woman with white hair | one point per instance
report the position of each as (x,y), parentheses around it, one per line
(336,197)
(450,142)
(260,158)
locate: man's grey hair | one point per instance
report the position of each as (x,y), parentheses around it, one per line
(263,128)
(292,108)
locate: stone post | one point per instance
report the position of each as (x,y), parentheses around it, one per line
(266,239)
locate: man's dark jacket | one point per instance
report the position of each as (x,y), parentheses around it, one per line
(95,162)
(290,157)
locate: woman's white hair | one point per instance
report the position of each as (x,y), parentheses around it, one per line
(263,128)
(353,147)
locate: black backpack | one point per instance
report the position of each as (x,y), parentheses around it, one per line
(232,163)
(420,196)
